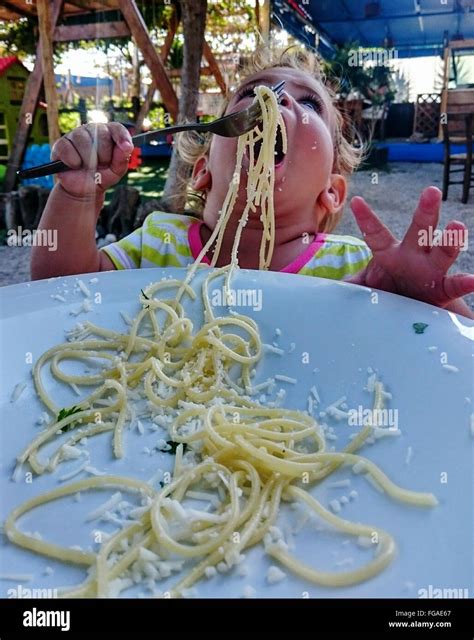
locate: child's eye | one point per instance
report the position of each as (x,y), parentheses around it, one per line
(245,91)
(313,101)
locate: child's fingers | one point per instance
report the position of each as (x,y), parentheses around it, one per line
(103,143)
(458,285)
(83,141)
(122,149)
(64,150)
(377,236)
(450,242)
(425,216)
(121,137)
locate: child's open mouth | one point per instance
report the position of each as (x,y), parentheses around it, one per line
(279,154)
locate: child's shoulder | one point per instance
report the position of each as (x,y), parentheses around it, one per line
(344,241)
(337,256)
(171,221)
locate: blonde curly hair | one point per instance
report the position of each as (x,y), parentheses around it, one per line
(347,155)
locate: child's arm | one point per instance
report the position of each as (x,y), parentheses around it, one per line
(410,267)
(98,156)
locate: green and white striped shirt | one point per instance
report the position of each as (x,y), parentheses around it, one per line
(172,240)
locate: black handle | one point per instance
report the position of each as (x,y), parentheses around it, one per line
(57,166)
(43,170)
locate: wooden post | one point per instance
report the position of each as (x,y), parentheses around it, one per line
(265,21)
(214,67)
(28,108)
(164,53)
(46,39)
(444,90)
(140,34)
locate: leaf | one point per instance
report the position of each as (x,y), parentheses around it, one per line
(174,446)
(64,413)
(419,327)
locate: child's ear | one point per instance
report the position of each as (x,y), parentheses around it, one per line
(333,196)
(201,178)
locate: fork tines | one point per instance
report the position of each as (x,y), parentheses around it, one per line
(277,89)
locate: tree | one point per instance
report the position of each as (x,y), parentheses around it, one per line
(193,13)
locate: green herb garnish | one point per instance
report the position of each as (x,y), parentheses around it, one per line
(174,446)
(64,413)
(146,298)
(419,327)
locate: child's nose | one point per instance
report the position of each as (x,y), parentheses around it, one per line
(285,99)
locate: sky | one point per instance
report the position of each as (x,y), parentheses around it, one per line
(420,71)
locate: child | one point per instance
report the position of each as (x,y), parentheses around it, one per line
(310,191)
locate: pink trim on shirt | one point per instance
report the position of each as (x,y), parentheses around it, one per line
(299,262)
(195,243)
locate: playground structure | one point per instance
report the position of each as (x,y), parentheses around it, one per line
(13,78)
(131,24)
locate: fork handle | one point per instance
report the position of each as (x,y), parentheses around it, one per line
(47,169)
(57,166)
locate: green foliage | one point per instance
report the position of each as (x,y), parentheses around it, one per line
(19,38)
(68,122)
(375,83)
(176,54)
(157,118)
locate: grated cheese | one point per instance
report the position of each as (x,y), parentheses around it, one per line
(17,391)
(275,575)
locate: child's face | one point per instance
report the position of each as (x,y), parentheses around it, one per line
(304,176)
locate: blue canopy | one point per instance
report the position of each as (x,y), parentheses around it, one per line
(412,27)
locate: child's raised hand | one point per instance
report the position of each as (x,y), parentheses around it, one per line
(408,267)
(98,155)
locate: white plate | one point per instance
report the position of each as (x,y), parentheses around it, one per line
(344,329)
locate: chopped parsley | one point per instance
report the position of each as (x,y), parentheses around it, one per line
(419,327)
(146,298)
(174,446)
(64,413)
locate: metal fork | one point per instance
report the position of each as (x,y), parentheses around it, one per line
(233,125)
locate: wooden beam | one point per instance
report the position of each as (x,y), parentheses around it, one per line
(265,21)
(177,73)
(98,5)
(45,29)
(462,44)
(28,108)
(164,53)
(21,13)
(91,31)
(214,67)
(168,43)
(140,34)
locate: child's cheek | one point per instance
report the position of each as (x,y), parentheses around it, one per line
(317,148)
(222,156)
